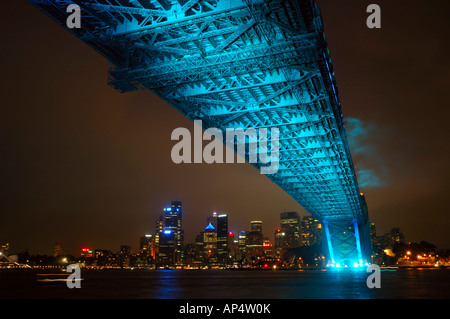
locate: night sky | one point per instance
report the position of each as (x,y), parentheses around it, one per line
(89,166)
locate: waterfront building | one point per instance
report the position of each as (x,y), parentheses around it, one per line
(290,228)
(222,238)
(279,243)
(210,244)
(311,231)
(169,238)
(255,240)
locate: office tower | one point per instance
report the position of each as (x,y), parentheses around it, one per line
(124,256)
(256,226)
(232,246)
(147,246)
(278,243)
(222,238)
(145,243)
(103,258)
(210,244)
(241,250)
(173,221)
(255,240)
(268,248)
(166,248)
(290,227)
(311,231)
(169,239)
(212,219)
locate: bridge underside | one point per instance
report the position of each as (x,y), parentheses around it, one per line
(242,64)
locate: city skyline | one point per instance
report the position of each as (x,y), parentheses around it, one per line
(80,158)
(210,223)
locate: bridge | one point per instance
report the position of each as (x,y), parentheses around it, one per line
(242,64)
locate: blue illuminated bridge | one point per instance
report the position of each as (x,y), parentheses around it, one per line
(249,64)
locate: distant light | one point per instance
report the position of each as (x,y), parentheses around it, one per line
(230,233)
(167,231)
(169,209)
(148,235)
(223,215)
(355,264)
(338,265)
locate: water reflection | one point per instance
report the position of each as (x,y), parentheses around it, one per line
(233,284)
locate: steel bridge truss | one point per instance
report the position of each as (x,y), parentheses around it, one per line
(247,64)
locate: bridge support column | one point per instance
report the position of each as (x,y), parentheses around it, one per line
(347,243)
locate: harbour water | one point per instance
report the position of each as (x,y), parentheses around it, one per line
(227,284)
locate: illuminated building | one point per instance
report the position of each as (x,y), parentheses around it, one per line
(212,219)
(290,228)
(147,245)
(166,248)
(255,240)
(241,250)
(268,248)
(222,238)
(311,231)
(169,239)
(146,249)
(86,252)
(104,258)
(278,243)
(210,244)
(124,256)
(232,246)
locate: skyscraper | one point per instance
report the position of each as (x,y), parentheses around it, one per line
(124,256)
(222,238)
(210,244)
(290,228)
(279,243)
(241,251)
(255,240)
(169,239)
(311,231)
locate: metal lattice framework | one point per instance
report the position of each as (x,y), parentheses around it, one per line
(242,63)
